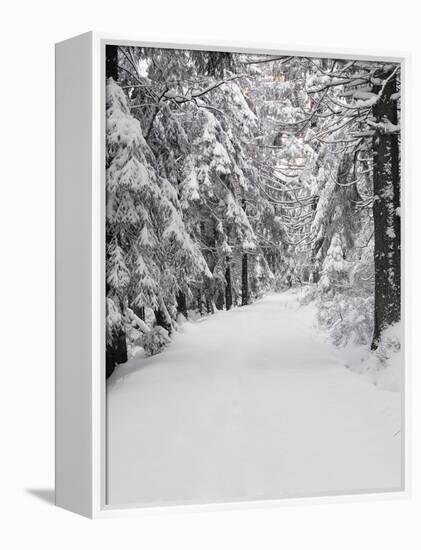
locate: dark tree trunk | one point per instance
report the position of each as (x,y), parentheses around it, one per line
(182,304)
(228,287)
(116,351)
(137,310)
(244,281)
(140,312)
(199,302)
(244,271)
(209,292)
(116,348)
(161,320)
(386,214)
(109,364)
(111,62)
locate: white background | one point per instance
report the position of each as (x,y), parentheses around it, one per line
(29,30)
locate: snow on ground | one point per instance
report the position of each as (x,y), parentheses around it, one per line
(384,367)
(248,404)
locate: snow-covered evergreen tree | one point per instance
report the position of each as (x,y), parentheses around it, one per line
(229,175)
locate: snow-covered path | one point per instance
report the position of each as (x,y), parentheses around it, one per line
(250,403)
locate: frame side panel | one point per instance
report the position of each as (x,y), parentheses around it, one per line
(73,368)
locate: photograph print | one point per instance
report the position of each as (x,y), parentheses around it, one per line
(253,276)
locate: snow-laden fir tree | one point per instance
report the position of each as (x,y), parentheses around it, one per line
(229,175)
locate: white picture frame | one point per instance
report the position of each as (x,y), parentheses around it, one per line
(80,271)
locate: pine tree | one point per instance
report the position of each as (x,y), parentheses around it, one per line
(230,175)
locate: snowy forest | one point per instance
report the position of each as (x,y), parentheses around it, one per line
(253,252)
(231,175)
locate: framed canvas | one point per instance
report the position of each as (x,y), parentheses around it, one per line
(230,297)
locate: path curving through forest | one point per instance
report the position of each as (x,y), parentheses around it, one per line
(248,404)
